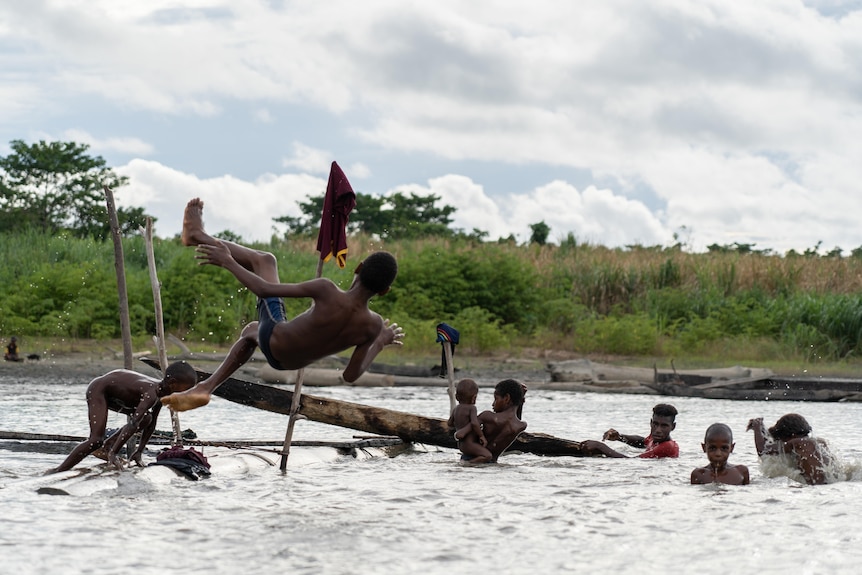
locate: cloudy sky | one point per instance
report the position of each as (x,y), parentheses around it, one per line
(620,121)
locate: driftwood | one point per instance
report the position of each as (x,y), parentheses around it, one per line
(409,427)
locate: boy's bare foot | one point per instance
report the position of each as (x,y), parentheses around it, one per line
(193,224)
(186,400)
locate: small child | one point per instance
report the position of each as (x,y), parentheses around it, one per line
(465,420)
(718,445)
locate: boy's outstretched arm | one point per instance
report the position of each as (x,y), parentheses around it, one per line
(760,433)
(363,355)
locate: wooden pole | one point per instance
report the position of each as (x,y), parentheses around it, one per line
(450,372)
(125,324)
(119,267)
(295,403)
(159,338)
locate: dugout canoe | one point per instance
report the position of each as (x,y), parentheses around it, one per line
(409,427)
(766,389)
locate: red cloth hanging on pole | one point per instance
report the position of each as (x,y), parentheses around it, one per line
(337,205)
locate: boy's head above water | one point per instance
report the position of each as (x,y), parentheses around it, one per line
(790,426)
(663,421)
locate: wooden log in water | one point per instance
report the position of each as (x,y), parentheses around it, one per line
(408,427)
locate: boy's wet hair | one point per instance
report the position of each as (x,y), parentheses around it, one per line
(718,429)
(466,389)
(512,388)
(378,271)
(665,410)
(789,426)
(181,371)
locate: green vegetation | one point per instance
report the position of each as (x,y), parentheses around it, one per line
(732,303)
(636,302)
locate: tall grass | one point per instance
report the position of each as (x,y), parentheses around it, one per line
(589,299)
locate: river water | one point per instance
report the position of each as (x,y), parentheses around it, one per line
(424,512)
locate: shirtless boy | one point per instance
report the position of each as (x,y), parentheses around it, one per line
(503,425)
(465,420)
(337,320)
(130,393)
(658,443)
(718,445)
(789,435)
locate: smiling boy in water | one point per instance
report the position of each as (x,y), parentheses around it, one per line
(658,443)
(718,445)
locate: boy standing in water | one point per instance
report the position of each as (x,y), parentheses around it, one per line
(658,443)
(718,445)
(337,320)
(789,436)
(133,394)
(465,420)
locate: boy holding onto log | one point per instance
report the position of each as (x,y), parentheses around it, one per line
(337,320)
(465,420)
(133,394)
(790,436)
(718,445)
(658,443)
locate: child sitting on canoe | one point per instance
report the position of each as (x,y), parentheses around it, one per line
(465,420)
(133,394)
(337,320)
(718,445)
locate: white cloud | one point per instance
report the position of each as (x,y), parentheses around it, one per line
(739,120)
(308,159)
(245,208)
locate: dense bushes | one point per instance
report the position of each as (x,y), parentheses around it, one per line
(644,302)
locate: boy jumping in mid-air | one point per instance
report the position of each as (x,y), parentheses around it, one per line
(133,394)
(465,420)
(718,445)
(658,443)
(337,320)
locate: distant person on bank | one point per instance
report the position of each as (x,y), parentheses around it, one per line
(12,350)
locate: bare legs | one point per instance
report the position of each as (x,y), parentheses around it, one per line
(262,264)
(193,234)
(198,396)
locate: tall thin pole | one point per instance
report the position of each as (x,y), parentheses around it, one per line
(295,402)
(119,267)
(160,322)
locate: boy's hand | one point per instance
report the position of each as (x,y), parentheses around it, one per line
(482,441)
(217,254)
(755,423)
(395,331)
(611,435)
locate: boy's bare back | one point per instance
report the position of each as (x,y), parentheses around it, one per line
(501,429)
